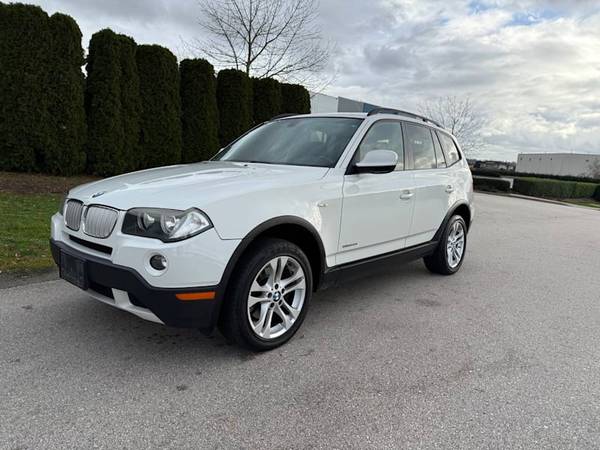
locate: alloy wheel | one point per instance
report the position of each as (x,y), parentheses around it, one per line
(276,297)
(455,246)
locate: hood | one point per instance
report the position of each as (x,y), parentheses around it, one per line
(191,185)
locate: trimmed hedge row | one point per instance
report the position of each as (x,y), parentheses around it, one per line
(491,184)
(597,193)
(540,187)
(234,100)
(137,108)
(294,99)
(160,136)
(267,99)
(42,125)
(199,113)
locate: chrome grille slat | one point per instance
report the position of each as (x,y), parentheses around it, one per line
(73,214)
(99,221)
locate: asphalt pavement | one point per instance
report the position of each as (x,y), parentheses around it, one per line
(504,354)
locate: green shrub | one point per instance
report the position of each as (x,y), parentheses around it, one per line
(294,99)
(597,193)
(486,173)
(25,54)
(267,99)
(491,184)
(131,106)
(234,100)
(199,113)
(540,187)
(64,154)
(103,105)
(160,135)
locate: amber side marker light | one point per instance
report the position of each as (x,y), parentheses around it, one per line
(196,296)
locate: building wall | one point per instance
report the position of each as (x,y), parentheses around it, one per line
(570,164)
(321,103)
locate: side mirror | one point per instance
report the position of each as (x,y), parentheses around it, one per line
(377,161)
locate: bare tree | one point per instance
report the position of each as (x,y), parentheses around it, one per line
(264,38)
(461,117)
(594,169)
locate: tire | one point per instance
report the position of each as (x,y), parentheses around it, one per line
(444,261)
(258,268)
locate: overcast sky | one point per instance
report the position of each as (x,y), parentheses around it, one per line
(532,66)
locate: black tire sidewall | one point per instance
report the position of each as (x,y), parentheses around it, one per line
(261,253)
(444,243)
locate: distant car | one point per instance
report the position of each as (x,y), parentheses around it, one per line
(242,241)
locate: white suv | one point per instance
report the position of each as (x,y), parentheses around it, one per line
(242,241)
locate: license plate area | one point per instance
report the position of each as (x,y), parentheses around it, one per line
(73,270)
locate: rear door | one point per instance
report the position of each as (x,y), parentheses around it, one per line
(431,180)
(377,208)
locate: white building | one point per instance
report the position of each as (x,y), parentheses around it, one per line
(321,103)
(570,164)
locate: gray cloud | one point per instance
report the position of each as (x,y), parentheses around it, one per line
(532,66)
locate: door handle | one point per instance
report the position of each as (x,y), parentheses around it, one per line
(406,195)
(449,189)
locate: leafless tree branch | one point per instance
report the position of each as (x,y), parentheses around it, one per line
(461,117)
(264,38)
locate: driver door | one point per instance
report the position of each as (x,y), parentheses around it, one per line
(377,208)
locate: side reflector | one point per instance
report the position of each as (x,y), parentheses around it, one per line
(196,296)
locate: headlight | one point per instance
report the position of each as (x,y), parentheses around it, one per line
(168,225)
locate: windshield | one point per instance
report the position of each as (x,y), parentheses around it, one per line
(306,141)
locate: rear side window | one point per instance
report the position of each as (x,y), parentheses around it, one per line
(420,143)
(383,135)
(439,154)
(449,147)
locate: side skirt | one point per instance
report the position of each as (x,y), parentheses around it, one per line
(369,266)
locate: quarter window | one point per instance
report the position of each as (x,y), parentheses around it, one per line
(439,154)
(420,143)
(449,147)
(383,135)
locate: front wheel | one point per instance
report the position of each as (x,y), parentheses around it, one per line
(269,295)
(450,252)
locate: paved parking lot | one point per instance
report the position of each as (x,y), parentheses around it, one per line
(504,354)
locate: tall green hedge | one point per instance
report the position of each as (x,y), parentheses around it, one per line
(199,113)
(131,105)
(267,99)
(25,52)
(64,154)
(160,135)
(541,187)
(103,105)
(295,99)
(234,99)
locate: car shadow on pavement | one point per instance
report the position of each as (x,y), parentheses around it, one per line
(93,325)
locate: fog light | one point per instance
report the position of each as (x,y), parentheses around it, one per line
(158,262)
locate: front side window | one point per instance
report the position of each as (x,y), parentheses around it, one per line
(420,143)
(449,147)
(307,141)
(383,135)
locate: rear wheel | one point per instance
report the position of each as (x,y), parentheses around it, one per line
(449,254)
(268,296)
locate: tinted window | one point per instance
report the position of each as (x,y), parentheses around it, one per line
(439,154)
(383,135)
(449,147)
(420,143)
(311,141)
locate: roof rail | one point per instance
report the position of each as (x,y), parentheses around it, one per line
(281,116)
(399,112)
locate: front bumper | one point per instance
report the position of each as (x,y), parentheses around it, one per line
(126,289)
